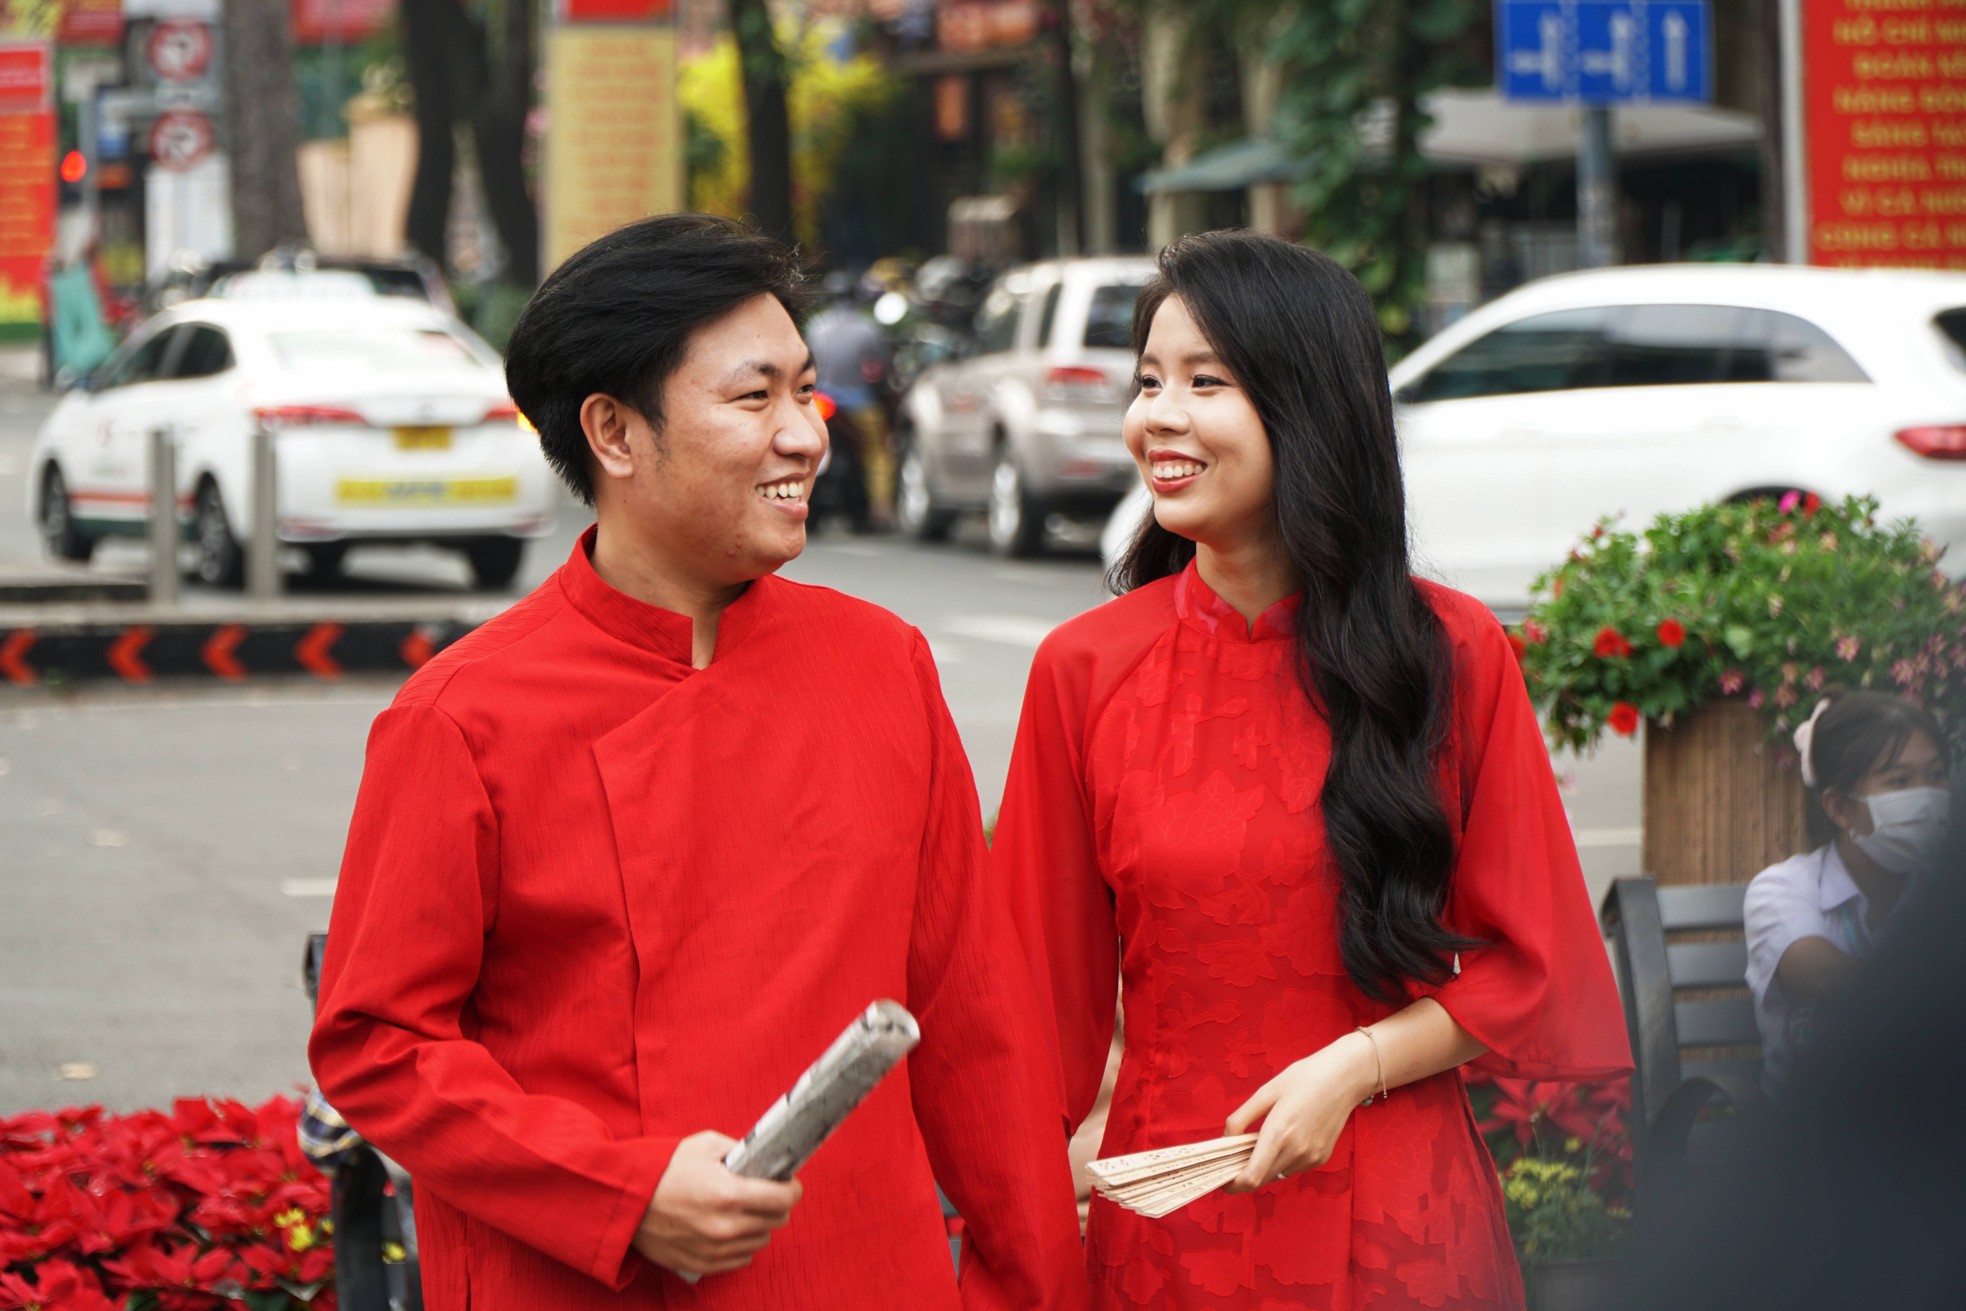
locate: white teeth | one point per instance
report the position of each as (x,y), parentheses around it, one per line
(1168,472)
(792,491)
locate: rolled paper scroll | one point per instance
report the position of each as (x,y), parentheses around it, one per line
(786,1135)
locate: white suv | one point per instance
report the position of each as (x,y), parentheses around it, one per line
(1026,424)
(1640,390)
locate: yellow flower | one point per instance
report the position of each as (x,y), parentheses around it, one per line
(290,1217)
(1573,1144)
(300,1238)
(394,1254)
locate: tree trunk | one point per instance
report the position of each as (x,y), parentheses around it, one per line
(427,25)
(768,126)
(499,77)
(264,112)
(1071,171)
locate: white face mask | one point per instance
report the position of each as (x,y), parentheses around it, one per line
(1907,828)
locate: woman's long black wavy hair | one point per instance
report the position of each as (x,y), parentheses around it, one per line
(1301,338)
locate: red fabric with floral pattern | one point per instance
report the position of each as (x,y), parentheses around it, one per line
(1161,821)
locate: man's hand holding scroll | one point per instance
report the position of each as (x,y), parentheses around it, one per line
(704,1220)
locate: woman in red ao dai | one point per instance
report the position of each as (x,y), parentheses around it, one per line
(1297,801)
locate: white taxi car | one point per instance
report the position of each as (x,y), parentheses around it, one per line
(391,424)
(1646,389)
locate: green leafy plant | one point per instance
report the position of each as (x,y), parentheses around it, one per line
(1357,74)
(1555,1214)
(1564,1154)
(1767,602)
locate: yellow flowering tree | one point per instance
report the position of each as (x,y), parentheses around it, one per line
(827,97)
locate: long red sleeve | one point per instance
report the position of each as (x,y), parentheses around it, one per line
(981,1079)
(392,1046)
(1540,995)
(1043,852)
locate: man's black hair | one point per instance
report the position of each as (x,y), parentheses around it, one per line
(616,319)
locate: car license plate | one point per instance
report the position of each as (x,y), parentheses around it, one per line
(427,491)
(424,438)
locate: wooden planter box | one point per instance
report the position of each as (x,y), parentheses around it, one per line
(1720,806)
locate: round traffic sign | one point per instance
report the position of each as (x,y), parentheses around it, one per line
(180,138)
(180,51)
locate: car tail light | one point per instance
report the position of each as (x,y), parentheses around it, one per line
(826,405)
(502,412)
(1076,382)
(277,418)
(1943,441)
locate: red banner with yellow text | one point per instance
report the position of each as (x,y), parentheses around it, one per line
(27,178)
(1884,94)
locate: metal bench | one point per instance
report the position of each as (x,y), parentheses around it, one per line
(1691,1021)
(373,1205)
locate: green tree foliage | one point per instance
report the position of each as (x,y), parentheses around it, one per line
(826,99)
(1355,75)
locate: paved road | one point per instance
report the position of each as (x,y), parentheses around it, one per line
(165,850)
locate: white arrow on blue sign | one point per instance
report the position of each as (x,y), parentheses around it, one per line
(1603,52)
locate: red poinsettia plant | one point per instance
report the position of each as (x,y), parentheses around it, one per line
(209,1206)
(1767,602)
(1564,1154)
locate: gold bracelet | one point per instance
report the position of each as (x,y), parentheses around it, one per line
(1378,1062)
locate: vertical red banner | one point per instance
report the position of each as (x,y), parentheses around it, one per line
(1884,94)
(319,21)
(27,179)
(90,23)
(612,11)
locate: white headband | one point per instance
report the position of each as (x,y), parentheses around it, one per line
(1805,738)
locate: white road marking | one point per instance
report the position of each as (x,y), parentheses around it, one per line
(1011,630)
(1608,837)
(307,887)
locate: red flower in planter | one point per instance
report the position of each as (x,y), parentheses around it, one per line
(180,1276)
(1534,632)
(1623,719)
(1672,634)
(115,1221)
(269,1261)
(57,1286)
(53,1224)
(1516,644)
(1610,644)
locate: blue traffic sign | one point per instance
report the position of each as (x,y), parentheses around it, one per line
(1603,52)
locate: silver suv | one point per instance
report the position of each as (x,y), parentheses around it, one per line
(1025,424)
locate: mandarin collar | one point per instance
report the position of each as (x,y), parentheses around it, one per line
(651,628)
(1199,607)
(1836,886)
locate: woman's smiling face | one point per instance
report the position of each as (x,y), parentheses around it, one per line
(1197,438)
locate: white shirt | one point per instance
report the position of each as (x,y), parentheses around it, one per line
(1807,896)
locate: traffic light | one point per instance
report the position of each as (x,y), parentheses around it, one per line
(72,171)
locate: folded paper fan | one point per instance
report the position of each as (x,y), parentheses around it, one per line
(1165,1179)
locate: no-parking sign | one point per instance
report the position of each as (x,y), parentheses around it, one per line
(180,51)
(180,138)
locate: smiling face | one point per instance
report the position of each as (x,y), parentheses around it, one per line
(1197,438)
(719,495)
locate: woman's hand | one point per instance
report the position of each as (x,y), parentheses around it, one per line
(1303,1110)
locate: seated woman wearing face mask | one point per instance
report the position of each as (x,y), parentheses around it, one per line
(1876,770)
